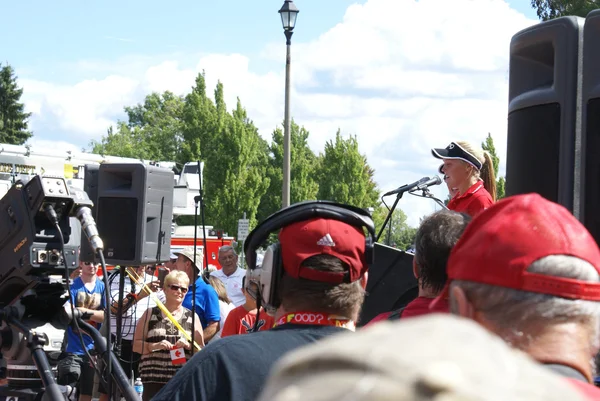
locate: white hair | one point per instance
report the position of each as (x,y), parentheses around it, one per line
(513,312)
(227,248)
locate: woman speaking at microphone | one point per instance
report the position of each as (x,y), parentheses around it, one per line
(470,172)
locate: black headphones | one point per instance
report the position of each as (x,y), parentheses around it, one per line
(267,277)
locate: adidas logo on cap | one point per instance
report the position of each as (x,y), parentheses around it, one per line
(326,241)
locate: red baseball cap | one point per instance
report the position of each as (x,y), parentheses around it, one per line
(321,236)
(501,242)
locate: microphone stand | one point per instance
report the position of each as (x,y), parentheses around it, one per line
(389,215)
(35,342)
(198,199)
(119,316)
(106,355)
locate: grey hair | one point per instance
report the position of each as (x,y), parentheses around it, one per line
(513,312)
(227,248)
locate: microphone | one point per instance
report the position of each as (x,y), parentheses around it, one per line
(83,213)
(436,180)
(408,187)
(88,225)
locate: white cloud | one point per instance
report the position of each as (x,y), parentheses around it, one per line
(402,75)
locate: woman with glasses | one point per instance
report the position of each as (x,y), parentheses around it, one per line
(156,336)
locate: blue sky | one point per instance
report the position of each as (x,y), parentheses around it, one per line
(40,37)
(43,34)
(401,75)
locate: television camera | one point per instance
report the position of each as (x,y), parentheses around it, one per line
(39,244)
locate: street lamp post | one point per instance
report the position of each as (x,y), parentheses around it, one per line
(288,13)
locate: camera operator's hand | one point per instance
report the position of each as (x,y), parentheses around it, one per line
(162,345)
(183,343)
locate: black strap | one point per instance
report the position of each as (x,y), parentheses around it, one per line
(395,315)
(566,371)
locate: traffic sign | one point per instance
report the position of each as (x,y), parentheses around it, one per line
(243,229)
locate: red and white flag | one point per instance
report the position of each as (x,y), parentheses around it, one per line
(178,356)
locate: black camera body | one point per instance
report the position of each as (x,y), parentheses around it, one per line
(30,247)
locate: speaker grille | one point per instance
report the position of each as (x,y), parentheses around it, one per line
(119,218)
(533,148)
(592,169)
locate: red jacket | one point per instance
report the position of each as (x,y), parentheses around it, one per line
(476,199)
(417,307)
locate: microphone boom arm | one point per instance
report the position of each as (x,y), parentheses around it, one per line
(389,215)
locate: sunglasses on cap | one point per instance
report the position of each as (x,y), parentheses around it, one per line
(177,288)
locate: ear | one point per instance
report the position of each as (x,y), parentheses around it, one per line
(363,280)
(462,305)
(415,269)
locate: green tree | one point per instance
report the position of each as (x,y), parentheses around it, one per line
(123,143)
(200,127)
(303,168)
(344,175)
(238,172)
(549,9)
(235,156)
(400,235)
(13,118)
(153,130)
(488,145)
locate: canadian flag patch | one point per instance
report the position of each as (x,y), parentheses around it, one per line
(178,356)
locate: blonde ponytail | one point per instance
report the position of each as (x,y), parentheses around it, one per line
(488,176)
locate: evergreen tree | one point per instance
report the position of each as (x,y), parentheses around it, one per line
(13,118)
(235,156)
(488,145)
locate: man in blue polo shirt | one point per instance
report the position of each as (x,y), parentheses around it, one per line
(207,300)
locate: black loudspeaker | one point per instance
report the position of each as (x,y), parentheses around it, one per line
(134,213)
(391,284)
(542,112)
(590,130)
(90,186)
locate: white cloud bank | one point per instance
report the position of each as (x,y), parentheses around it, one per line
(402,75)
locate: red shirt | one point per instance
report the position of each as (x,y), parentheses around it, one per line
(588,390)
(240,321)
(417,307)
(476,199)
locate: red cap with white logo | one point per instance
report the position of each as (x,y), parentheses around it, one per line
(319,236)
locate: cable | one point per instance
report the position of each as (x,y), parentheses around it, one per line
(52,216)
(107,322)
(426,194)
(383,200)
(131,313)
(114,298)
(420,196)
